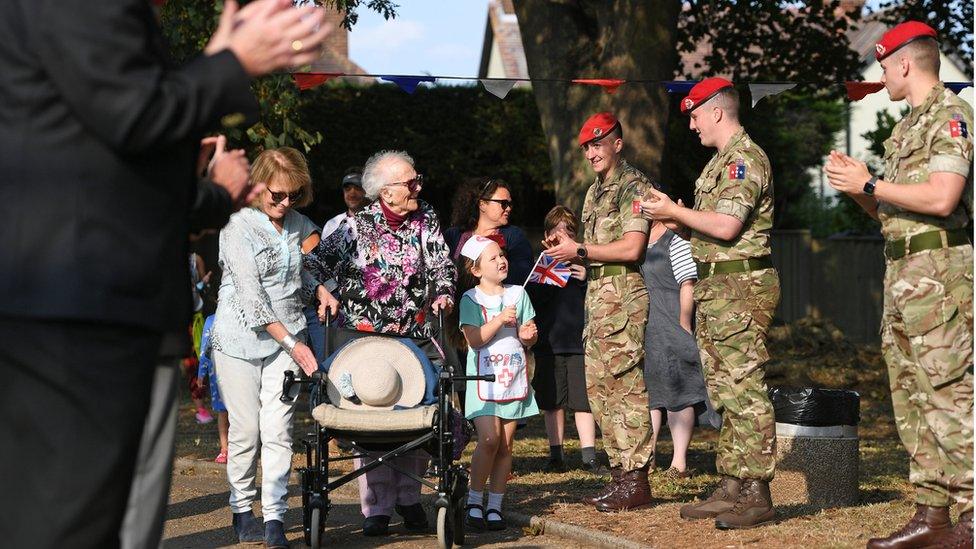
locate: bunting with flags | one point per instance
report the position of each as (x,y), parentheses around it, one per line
(500,87)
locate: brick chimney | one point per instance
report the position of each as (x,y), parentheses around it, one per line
(338,39)
(847,6)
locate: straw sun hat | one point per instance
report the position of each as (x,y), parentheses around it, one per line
(384,372)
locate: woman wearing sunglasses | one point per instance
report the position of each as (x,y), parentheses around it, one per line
(259,333)
(483,206)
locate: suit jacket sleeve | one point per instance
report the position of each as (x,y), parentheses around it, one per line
(211,207)
(105,59)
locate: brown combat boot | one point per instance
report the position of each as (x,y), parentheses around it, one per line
(721,500)
(753,507)
(615,474)
(961,535)
(633,492)
(930,526)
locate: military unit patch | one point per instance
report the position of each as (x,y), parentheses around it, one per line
(737,170)
(957,127)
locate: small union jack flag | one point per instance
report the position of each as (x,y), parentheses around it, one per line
(957,127)
(550,271)
(737,170)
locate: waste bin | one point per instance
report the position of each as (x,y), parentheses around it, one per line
(817,458)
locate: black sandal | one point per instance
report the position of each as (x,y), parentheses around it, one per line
(498,524)
(474,522)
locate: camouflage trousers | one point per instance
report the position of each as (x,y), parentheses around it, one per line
(733,317)
(616,310)
(926,338)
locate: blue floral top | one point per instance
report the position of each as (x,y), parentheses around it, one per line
(387,279)
(262,282)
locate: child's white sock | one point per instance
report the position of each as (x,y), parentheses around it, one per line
(495,501)
(475,498)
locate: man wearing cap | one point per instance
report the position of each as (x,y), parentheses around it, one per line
(924,203)
(615,236)
(353,195)
(736,293)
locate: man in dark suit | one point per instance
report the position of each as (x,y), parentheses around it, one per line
(98,140)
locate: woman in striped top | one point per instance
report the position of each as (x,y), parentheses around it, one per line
(672,371)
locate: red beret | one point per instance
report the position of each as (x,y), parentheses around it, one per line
(901,35)
(597,126)
(703,91)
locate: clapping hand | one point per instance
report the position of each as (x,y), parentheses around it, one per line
(507,316)
(527,332)
(230,170)
(845,174)
(561,247)
(658,206)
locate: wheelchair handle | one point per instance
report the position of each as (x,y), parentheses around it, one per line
(486,377)
(290,381)
(286,386)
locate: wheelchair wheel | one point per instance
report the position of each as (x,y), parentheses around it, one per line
(316,527)
(445,528)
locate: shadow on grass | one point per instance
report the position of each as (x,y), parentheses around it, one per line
(198,506)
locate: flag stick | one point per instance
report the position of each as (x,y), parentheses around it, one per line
(537,260)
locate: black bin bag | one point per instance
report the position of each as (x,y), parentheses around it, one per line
(814,407)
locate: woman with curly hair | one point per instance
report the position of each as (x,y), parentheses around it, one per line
(482,206)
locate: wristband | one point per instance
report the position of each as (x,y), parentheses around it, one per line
(288,343)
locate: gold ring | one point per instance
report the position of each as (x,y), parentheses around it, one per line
(297,45)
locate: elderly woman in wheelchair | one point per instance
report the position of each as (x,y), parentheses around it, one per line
(394,277)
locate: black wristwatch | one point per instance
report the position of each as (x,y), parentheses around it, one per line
(869,186)
(581,251)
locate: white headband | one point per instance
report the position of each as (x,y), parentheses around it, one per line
(474,246)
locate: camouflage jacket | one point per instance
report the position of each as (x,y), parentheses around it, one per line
(934,137)
(737,181)
(608,207)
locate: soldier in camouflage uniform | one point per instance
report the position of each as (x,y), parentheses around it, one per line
(924,204)
(736,295)
(614,239)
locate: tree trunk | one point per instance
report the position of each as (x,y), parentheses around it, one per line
(565,39)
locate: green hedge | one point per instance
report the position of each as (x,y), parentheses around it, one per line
(451,132)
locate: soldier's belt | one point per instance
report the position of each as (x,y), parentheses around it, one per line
(595,273)
(932,240)
(706,270)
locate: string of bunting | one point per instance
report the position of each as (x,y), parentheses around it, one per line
(499,87)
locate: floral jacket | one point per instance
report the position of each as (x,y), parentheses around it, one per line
(387,279)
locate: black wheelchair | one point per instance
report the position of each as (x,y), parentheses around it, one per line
(428,428)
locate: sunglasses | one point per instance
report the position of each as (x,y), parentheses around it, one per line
(505,204)
(412,185)
(279,197)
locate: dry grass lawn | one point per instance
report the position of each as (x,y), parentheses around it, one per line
(806,353)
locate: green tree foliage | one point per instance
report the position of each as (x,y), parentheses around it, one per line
(188,24)
(770,40)
(452,133)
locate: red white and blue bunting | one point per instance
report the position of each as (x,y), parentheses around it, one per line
(499,87)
